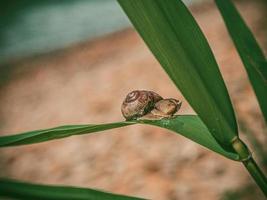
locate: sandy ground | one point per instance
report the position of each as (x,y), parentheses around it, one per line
(86,83)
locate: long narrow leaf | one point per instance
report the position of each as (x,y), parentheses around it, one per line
(249,51)
(21,190)
(177,42)
(56,133)
(189,126)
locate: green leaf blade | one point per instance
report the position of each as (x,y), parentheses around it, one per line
(21,190)
(173,36)
(37,136)
(189,126)
(249,51)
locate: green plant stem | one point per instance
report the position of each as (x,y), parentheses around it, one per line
(250,164)
(257,146)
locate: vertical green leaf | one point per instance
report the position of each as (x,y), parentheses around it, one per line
(175,39)
(249,51)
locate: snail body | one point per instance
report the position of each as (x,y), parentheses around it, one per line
(142,104)
(166,107)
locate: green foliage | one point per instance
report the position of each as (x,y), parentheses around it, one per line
(173,36)
(56,133)
(252,56)
(28,191)
(189,126)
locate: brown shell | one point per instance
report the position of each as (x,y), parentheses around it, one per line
(138,103)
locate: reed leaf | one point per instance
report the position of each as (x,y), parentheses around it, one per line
(249,51)
(29,191)
(190,126)
(175,39)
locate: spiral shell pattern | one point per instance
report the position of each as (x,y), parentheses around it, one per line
(138,103)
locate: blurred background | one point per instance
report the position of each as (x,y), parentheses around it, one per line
(73,62)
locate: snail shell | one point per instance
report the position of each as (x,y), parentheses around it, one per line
(138,103)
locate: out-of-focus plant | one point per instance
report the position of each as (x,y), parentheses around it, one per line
(175,39)
(249,51)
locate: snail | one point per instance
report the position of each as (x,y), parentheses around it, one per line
(142,104)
